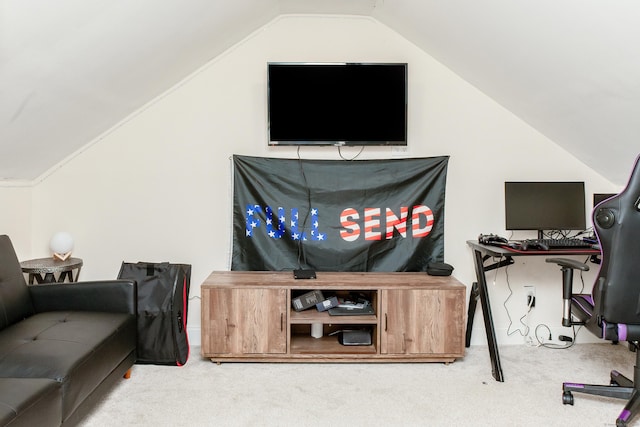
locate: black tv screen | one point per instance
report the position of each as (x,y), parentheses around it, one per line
(544,206)
(337,103)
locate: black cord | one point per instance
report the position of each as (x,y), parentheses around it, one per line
(573,327)
(554,346)
(302,257)
(565,234)
(524,332)
(354,157)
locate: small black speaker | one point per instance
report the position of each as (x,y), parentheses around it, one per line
(357,337)
(605,218)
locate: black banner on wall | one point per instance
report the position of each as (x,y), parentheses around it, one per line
(365,215)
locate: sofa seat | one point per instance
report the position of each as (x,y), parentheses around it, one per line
(74,348)
(77,338)
(29,401)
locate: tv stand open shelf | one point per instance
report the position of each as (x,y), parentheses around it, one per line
(248,317)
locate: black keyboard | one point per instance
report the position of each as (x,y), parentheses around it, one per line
(565,243)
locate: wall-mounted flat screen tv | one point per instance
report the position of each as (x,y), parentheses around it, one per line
(337,103)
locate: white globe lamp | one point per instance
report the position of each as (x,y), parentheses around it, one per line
(61,245)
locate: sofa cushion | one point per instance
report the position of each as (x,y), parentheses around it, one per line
(30,402)
(15,302)
(75,348)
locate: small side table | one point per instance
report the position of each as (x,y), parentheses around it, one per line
(43,270)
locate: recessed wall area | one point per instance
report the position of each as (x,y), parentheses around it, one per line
(157,186)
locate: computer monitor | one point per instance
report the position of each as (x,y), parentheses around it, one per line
(601,197)
(544,206)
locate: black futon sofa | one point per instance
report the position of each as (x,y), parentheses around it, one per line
(62,346)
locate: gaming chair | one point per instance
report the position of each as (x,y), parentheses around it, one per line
(612,310)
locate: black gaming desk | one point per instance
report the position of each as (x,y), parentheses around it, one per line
(499,256)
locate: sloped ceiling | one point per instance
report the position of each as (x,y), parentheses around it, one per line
(71,69)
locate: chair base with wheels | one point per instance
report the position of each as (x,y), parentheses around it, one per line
(620,387)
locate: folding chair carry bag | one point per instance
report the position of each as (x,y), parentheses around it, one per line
(163,295)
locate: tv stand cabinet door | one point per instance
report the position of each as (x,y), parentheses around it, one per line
(244,322)
(423,322)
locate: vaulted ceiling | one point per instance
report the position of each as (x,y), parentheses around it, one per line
(71,69)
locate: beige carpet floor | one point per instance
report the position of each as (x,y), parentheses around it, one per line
(463,393)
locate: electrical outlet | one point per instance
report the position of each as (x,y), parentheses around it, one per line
(530,292)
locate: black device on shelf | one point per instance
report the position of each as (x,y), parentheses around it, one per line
(544,206)
(353,304)
(304,274)
(337,103)
(353,336)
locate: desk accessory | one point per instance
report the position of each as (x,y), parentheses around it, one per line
(492,239)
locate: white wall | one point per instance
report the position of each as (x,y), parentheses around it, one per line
(15,215)
(157,186)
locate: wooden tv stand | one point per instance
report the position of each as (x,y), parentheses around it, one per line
(248,317)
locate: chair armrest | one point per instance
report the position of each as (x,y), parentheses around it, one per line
(117,296)
(569,263)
